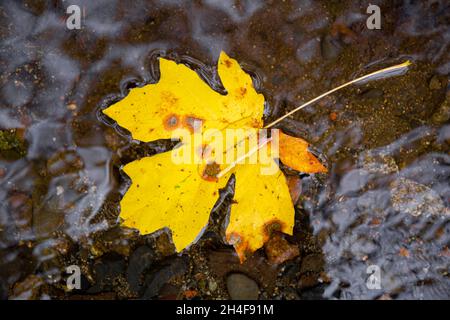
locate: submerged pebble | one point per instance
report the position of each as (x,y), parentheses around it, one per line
(241,287)
(416,199)
(279,250)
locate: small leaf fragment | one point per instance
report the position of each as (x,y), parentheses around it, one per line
(165,194)
(294,153)
(262,204)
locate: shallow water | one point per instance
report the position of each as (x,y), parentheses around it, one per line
(384,202)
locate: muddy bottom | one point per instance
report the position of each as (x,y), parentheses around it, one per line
(376,226)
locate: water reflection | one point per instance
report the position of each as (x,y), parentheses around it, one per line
(385,201)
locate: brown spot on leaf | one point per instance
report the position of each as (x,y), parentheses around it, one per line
(169,98)
(228,63)
(241,245)
(211,171)
(171,122)
(192,123)
(240,92)
(234,238)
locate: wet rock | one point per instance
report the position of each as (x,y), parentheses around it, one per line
(291,270)
(339,29)
(141,259)
(385,296)
(307,51)
(295,187)
(72,106)
(353,181)
(212,285)
(21,209)
(61,246)
(308,281)
(48,218)
(46,138)
(379,163)
(171,268)
(169,292)
(279,250)
(17,263)
(12,146)
(164,246)
(64,162)
(202,284)
(442,115)
(435,83)
(27,289)
(312,263)
(241,287)
(330,47)
(114,240)
(416,199)
(113,140)
(224,262)
(315,293)
(373,94)
(106,270)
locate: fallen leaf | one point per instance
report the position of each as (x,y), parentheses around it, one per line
(294,153)
(180,196)
(182,100)
(190,294)
(333,116)
(262,204)
(403,252)
(375,222)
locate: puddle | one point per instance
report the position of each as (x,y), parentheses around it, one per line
(384,202)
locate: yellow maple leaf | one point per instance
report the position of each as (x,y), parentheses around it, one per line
(181,99)
(180,196)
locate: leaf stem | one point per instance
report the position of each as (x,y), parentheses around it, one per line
(393,70)
(386,71)
(248,154)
